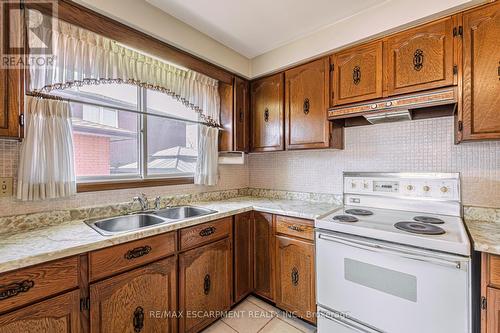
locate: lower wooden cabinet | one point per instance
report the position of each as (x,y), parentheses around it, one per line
(59,314)
(493,310)
(295,278)
(264,255)
(142,300)
(243,255)
(205,275)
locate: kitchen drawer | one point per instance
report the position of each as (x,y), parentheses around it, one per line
(30,284)
(494,270)
(295,227)
(205,233)
(126,256)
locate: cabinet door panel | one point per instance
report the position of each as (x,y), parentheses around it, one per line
(123,303)
(204,284)
(421,58)
(264,255)
(266,104)
(481,76)
(243,255)
(295,277)
(59,314)
(241,115)
(493,309)
(357,74)
(306,105)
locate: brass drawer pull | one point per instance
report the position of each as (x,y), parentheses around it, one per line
(295,276)
(206,284)
(207,231)
(15,288)
(295,228)
(418,59)
(356,75)
(138,320)
(138,252)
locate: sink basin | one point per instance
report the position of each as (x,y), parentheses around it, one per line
(183,212)
(119,224)
(115,225)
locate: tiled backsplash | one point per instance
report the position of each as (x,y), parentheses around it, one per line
(423,145)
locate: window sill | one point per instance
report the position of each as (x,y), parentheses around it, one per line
(126,184)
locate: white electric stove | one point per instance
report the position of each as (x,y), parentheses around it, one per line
(396,257)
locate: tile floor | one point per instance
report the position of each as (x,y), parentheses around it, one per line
(254,315)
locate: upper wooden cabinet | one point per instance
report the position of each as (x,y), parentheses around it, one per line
(306,106)
(11,104)
(480,116)
(266,107)
(357,74)
(241,137)
(420,58)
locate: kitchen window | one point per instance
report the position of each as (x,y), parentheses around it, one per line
(113,145)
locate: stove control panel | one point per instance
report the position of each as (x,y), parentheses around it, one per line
(440,188)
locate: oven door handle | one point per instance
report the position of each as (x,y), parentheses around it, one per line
(388,250)
(349,325)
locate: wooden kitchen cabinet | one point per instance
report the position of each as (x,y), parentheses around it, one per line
(480,116)
(243,255)
(266,113)
(59,314)
(357,74)
(490,293)
(241,116)
(205,276)
(493,310)
(306,105)
(421,58)
(264,255)
(124,303)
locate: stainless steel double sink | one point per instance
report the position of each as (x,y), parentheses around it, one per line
(114,225)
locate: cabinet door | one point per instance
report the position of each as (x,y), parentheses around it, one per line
(306,105)
(264,255)
(241,115)
(357,74)
(266,107)
(204,284)
(124,303)
(243,255)
(295,277)
(493,315)
(59,314)
(481,73)
(420,58)
(226,116)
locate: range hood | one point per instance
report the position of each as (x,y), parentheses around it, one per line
(428,104)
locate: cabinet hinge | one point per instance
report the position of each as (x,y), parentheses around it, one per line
(84,303)
(458,31)
(484,303)
(455,70)
(332,67)
(460,126)
(21,120)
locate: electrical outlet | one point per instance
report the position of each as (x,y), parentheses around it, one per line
(5,186)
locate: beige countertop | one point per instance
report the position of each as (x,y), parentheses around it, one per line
(485,235)
(31,247)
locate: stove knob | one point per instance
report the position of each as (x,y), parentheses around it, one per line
(365,185)
(444,189)
(353,185)
(409,187)
(426,188)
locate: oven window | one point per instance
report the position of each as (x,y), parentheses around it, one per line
(382,279)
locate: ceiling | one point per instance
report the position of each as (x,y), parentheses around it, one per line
(255,27)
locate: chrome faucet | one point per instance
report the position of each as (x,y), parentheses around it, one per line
(157,203)
(143,201)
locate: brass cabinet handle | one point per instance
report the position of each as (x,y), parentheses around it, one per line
(356,75)
(295,276)
(306,106)
(207,231)
(206,284)
(138,319)
(295,228)
(266,115)
(241,116)
(14,289)
(138,252)
(418,59)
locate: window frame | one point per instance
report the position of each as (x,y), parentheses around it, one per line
(142,178)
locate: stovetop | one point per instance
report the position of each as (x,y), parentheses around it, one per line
(451,238)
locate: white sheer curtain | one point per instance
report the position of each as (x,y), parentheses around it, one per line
(46,168)
(83,57)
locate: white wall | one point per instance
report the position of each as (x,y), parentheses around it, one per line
(144,17)
(390,15)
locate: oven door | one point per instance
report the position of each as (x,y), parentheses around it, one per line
(384,287)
